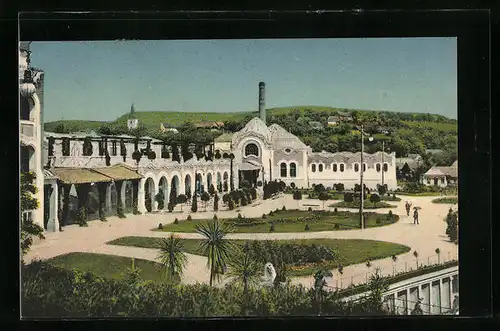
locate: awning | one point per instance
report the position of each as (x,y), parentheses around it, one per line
(80,176)
(118,172)
(250,166)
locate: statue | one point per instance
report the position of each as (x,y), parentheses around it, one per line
(269,274)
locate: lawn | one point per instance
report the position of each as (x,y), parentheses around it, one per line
(419,194)
(367,204)
(350,251)
(447,200)
(108,266)
(292,221)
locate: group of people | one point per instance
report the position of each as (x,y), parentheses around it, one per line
(408,205)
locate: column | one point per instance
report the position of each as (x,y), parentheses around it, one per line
(445,294)
(141,203)
(53,224)
(102,190)
(109,202)
(426,291)
(65,203)
(154,190)
(119,202)
(135,196)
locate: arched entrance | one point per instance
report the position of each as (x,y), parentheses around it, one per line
(187,185)
(175,183)
(163,190)
(27,158)
(225,183)
(128,197)
(209,180)
(199,184)
(149,189)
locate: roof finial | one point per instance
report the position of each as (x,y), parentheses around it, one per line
(132,111)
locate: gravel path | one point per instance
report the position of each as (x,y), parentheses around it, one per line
(423,238)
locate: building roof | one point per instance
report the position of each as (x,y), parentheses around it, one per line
(451,171)
(316,125)
(256,127)
(80,176)
(343,113)
(168,126)
(48,174)
(225,137)
(118,172)
(209,124)
(281,138)
(333,119)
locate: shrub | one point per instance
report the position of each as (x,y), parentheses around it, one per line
(292,185)
(244,201)
(378,221)
(336,226)
(306,228)
(264,216)
(194,204)
(160,226)
(390,215)
(271,229)
(239,216)
(284,208)
(170,207)
(215,217)
(309,209)
(176,221)
(335,210)
(271,213)
(348,197)
(231,204)
(189,218)
(259,183)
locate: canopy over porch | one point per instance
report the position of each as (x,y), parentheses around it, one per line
(96,175)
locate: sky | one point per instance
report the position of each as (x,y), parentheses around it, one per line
(100,80)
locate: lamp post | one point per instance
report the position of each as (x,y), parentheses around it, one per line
(362,198)
(383,152)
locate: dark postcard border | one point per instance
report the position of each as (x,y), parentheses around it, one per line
(471,27)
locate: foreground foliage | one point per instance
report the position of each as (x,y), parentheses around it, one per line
(49,291)
(28,203)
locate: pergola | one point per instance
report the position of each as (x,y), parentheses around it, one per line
(84,178)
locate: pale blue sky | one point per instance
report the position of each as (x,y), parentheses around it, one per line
(100,80)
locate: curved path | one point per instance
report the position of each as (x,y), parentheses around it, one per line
(423,238)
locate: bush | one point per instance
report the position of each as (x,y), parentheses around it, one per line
(335,210)
(348,197)
(239,216)
(309,209)
(336,226)
(189,218)
(284,208)
(160,226)
(231,204)
(264,216)
(176,221)
(244,201)
(306,228)
(170,207)
(215,217)
(271,213)
(292,185)
(259,183)
(271,229)
(390,215)
(378,221)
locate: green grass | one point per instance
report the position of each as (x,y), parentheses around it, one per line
(367,205)
(108,266)
(419,194)
(328,221)
(447,200)
(74,125)
(351,251)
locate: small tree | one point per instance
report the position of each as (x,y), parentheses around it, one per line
(182,199)
(323,196)
(374,198)
(211,189)
(382,189)
(297,195)
(438,252)
(216,202)
(28,203)
(160,199)
(230,204)
(348,197)
(205,197)
(194,204)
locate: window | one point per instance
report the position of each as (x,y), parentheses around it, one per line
(442,180)
(293,170)
(320,168)
(364,167)
(378,167)
(113,148)
(251,149)
(356,167)
(334,167)
(341,167)
(283,169)
(313,168)
(385,167)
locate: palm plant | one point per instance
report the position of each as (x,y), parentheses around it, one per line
(244,268)
(172,257)
(215,246)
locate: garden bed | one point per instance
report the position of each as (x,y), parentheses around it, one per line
(446,200)
(348,251)
(292,221)
(367,205)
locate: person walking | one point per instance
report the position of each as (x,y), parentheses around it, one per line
(408,207)
(415,216)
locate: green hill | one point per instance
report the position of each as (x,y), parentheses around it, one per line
(75,125)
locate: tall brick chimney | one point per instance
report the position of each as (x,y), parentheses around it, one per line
(262,101)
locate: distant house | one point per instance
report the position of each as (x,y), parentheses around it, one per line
(345,116)
(383,130)
(333,120)
(316,125)
(223,142)
(442,176)
(209,125)
(412,160)
(165,127)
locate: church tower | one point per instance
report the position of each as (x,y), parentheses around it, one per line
(132,122)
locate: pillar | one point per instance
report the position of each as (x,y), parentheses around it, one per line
(53,224)
(109,202)
(102,190)
(135,196)
(436,297)
(141,203)
(154,190)
(425,291)
(446,293)
(119,202)
(65,204)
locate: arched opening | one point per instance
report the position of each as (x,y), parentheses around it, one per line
(313,168)
(251,149)
(219,182)
(128,197)
(163,193)
(386,167)
(187,185)
(293,170)
(334,167)
(199,187)
(225,184)
(209,180)
(26,107)
(320,168)
(378,167)
(175,183)
(283,169)
(356,167)
(364,167)
(341,167)
(93,203)
(27,158)
(149,189)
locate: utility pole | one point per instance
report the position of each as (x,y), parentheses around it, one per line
(361,222)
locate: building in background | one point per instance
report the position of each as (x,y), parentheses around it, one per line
(442,176)
(132,122)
